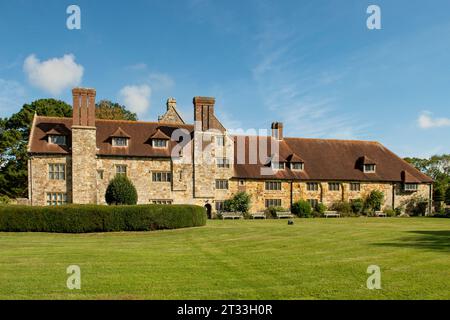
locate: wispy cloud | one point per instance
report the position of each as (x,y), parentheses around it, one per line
(53,75)
(426,121)
(301,101)
(12,96)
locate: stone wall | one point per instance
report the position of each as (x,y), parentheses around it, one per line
(84,164)
(39,183)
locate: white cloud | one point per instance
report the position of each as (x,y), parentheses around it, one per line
(426,121)
(53,75)
(161,81)
(136,98)
(12,96)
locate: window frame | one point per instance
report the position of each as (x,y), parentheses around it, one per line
(155,143)
(374,166)
(222,184)
(313,203)
(222,139)
(51,136)
(407,187)
(116,139)
(165,202)
(269,185)
(165,176)
(302,166)
(330,188)
(56,174)
(270,203)
(223,163)
(312,186)
(121,172)
(56,198)
(353,184)
(276,165)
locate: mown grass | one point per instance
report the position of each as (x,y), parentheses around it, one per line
(312,259)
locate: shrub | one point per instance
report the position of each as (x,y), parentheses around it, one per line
(121,191)
(374,201)
(357,206)
(302,209)
(239,203)
(416,206)
(390,212)
(271,212)
(438,195)
(319,210)
(343,207)
(97,218)
(447,196)
(4,200)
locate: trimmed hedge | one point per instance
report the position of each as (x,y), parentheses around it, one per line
(98,218)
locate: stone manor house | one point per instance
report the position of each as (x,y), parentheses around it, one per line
(73,159)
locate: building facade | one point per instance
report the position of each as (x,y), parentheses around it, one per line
(73,159)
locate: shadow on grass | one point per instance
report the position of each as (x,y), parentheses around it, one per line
(434,240)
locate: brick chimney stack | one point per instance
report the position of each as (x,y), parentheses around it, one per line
(277,130)
(83,107)
(204,112)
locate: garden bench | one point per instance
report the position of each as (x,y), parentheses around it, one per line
(258,215)
(284,214)
(331,214)
(232,215)
(380,214)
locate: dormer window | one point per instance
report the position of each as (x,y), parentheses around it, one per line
(57,139)
(297,166)
(159,143)
(369,168)
(278,165)
(120,142)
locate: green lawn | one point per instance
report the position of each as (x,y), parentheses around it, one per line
(313,259)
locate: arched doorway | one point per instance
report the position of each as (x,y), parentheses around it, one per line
(208,210)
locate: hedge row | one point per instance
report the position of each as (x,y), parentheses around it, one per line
(97,218)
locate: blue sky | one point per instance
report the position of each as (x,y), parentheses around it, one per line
(313,64)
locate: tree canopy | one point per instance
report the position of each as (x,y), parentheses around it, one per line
(15,131)
(437,167)
(106,109)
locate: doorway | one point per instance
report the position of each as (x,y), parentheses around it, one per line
(208,210)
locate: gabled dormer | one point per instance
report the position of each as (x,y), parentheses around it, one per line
(120,138)
(410,182)
(276,162)
(159,139)
(367,165)
(295,162)
(58,135)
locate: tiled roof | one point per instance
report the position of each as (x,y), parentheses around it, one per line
(327,159)
(324,159)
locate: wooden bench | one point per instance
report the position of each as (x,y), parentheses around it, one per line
(284,214)
(255,215)
(232,215)
(331,214)
(380,214)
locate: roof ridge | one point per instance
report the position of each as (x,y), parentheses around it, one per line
(313,139)
(122,121)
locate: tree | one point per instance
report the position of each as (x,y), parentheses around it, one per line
(106,109)
(437,167)
(239,203)
(301,208)
(121,191)
(374,200)
(447,196)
